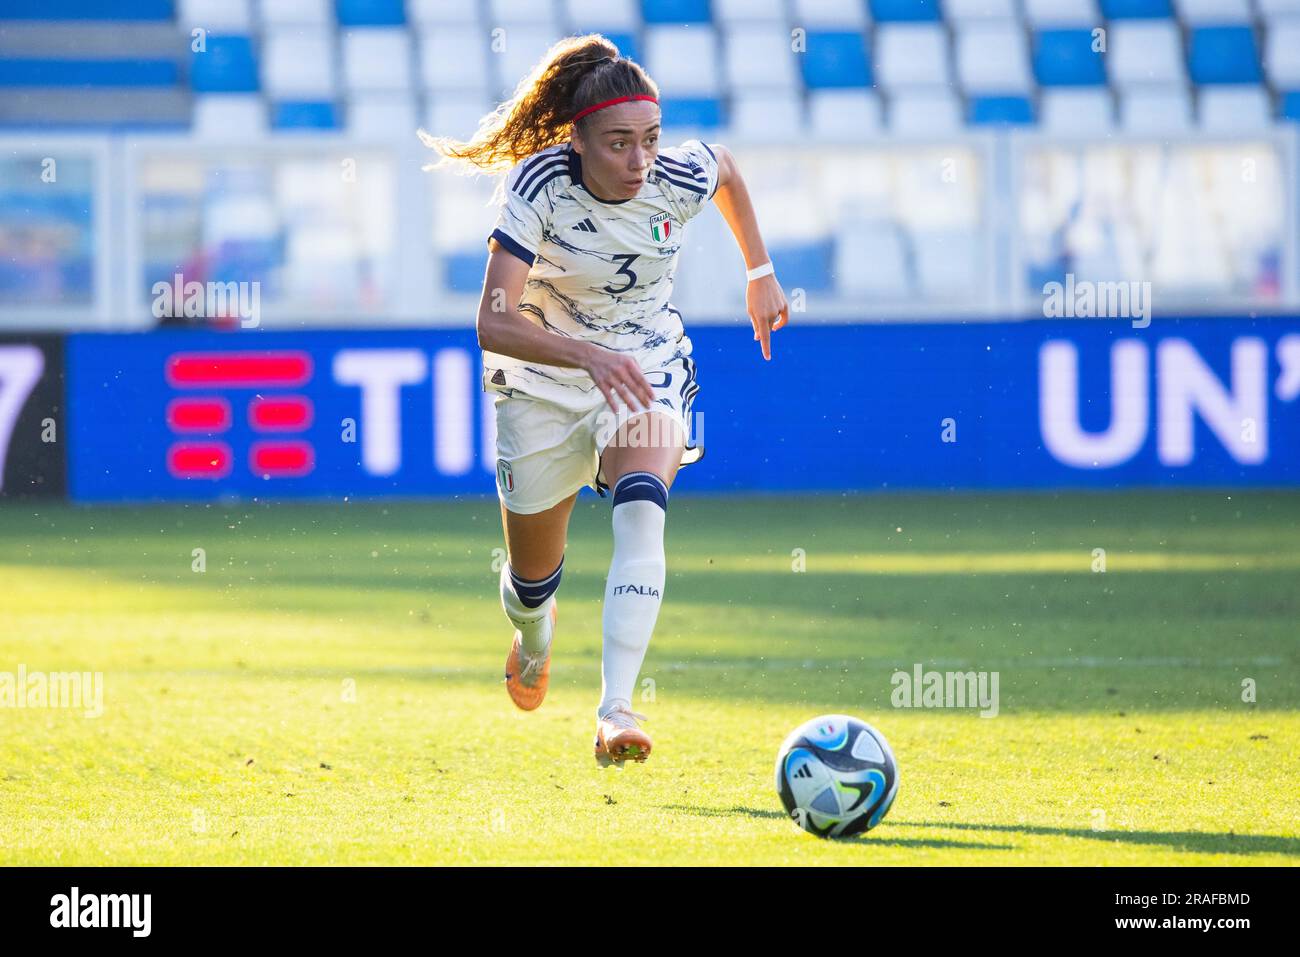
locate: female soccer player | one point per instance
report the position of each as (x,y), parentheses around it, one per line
(588,358)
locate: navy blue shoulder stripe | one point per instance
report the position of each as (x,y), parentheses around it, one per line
(692,186)
(690,169)
(542,183)
(538,160)
(524,185)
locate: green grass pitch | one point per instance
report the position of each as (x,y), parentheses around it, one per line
(329,689)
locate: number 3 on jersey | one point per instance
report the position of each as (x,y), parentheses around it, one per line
(624,270)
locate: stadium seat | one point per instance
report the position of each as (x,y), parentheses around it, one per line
(1145,51)
(376,59)
(1001,111)
(382,115)
(536,13)
(627,44)
(226,66)
(1087,111)
(370,13)
(215,16)
(878,243)
(1156,110)
(455,115)
(992,58)
(1135,9)
(454,57)
(220,115)
(947,263)
(1278,8)
(844,115)
(961,11)
(441,13)
(603,16)
(911,54)
(766,116)
(1223,55)
(1048,14)
(889,10)
(759,58)
(525,46)
(730,14)
(319,13)
(687,54)
(298,115)
(924,112)
(675,11)
(835,60)
(829,15)
(1198,13)
(695,112)
(1282,54)
(1066,58)
(298,64)
(1290,107)
(1234,109)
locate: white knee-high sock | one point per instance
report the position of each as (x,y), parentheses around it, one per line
(528,606)
(634,589)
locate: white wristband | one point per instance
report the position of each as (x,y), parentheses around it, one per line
(758,272)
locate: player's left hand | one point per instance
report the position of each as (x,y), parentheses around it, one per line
(768,310)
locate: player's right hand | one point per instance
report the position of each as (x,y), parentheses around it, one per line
(619,375)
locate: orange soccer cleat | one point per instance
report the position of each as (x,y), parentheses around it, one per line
(618,738)
(527,676)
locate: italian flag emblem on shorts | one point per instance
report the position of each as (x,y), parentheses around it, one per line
(660,227)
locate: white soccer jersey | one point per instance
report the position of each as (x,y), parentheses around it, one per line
(601,271)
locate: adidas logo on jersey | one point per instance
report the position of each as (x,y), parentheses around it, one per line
(586,226)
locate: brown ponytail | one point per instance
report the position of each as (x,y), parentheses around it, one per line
(575,73)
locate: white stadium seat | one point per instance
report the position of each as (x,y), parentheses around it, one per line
(911,54)
(844,115)
(440,13)
(1234,109)
(961,10)
(456,116)
(536,13)
(686,54)
(869,260)
(776,117)
(1141,52)
(1046,14)
(376,59)
(1278,8)
(454,58)
(992,57)
(613,16)
(217,16)
(229,115)
(1156,109)
(731,13)
(298,64)
(382,115)
(1084,112)
(525,46)
(1282,54)
(1198,13)
(829,14)
(759,58)
(947,263)
(924,112)
(318,13)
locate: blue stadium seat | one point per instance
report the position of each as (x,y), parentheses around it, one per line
(1135,9)
(1000,110)
(226,66)
(676,11)
(1223,55)
(885,10)
(98,73)
(836,60)
(87,10)
(807,265)
(305,115)
(370,13)
(1290,108)
(1066,58)
(627,45)
(702,111)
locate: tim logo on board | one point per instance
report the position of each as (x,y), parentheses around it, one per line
(1153,398)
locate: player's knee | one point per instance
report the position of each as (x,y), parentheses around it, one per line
(535,592)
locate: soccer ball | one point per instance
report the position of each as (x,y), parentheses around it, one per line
(836,776)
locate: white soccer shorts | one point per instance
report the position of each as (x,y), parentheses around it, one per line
(546,452)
